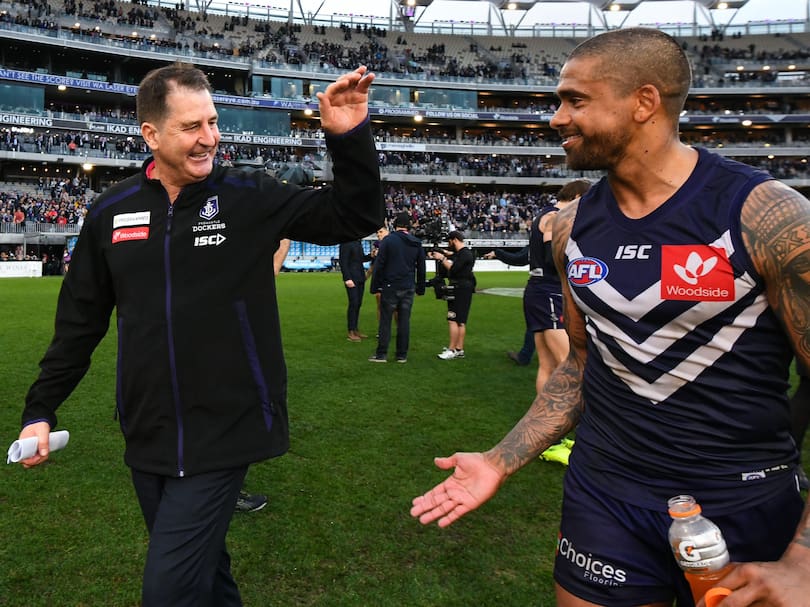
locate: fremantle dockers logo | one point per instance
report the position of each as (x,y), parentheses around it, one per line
(210,208)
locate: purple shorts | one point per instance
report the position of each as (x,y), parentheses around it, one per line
(542,307)
(613,553)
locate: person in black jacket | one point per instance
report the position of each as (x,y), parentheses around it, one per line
(398,273)
(457,263)
(182,251)
(351,257)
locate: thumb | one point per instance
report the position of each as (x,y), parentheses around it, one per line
(445,463)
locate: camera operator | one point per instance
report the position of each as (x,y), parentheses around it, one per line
(457,263)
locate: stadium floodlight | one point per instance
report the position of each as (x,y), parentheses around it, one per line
(515,5)
(723,4)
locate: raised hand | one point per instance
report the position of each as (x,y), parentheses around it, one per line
(344,103)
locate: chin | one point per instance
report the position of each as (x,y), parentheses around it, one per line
(200,171)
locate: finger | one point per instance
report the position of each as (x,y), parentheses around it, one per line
(452,516)
(445,463)
(324,102)
(442,512)
(429,500)
(365,83)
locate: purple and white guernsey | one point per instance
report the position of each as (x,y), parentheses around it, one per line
(685,386)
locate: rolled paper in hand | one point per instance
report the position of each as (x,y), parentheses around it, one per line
(714,596)
(27,447)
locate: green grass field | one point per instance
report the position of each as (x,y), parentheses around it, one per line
(337,530)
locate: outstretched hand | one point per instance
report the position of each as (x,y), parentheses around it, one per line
(473,482)
(344,103)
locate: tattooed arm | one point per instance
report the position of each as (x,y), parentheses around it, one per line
(775,224)
(555,411)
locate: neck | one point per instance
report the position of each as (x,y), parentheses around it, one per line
(643,184)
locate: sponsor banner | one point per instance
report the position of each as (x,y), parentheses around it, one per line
(131,130)
(26,120)
(401,146)
(79,83)
(268,140)
(20,269)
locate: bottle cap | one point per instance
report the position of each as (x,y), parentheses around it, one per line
(682,506)
(714,596)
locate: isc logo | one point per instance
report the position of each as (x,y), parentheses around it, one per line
(209,240)
(586,271)
(633,251)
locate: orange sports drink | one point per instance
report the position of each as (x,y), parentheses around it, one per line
(698,545)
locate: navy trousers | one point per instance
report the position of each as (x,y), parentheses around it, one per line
(355,295)
(187,564)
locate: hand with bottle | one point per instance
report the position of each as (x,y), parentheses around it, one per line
(700,550)
(782,583)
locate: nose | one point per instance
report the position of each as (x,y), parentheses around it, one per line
(209,135)
(560,118)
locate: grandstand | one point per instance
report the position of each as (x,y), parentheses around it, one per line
(461,114)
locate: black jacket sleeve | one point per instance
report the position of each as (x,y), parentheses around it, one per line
(521,258)
(83,312)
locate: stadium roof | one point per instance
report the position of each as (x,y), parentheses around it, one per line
(509,16)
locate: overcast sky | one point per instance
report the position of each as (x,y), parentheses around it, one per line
(648,13)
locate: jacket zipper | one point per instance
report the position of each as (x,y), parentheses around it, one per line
(170,329)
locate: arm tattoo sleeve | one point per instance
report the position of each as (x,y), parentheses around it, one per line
(557,409)
(775,224)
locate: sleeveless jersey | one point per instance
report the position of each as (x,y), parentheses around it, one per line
(541,270)
(686,377)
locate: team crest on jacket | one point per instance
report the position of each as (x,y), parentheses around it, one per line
(696,273)
(211,208)
(585,271)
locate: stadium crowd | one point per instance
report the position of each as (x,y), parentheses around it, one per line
(279,43)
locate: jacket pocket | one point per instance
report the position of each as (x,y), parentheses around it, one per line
(254,363)
(119,389)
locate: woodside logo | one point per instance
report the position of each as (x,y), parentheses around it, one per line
(696,273)
(128,234)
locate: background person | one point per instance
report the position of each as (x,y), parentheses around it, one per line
(186,244)
(382,232)
(542,297)
(457,263)
(399,273)
(685,296)
(351,258)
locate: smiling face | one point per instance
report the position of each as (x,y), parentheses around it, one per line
(593,119)
(184,142)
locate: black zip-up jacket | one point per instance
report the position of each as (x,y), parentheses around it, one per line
(400,264)
(201,380)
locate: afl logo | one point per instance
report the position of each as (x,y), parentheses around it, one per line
(586,271)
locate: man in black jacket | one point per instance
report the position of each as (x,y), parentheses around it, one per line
(183,251)
(351,258)
(399,272)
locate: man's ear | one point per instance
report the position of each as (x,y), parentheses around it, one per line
(149,133)
(648,101)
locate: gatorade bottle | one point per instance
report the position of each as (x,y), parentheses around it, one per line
(697,544)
